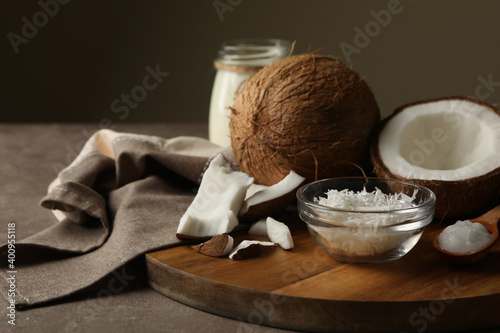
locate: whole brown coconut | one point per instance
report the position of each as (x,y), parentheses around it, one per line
(307,113)
(445,145)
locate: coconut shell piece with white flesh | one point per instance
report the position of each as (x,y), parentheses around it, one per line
(215,207)
(250,249)
(262,201)
(217,246)
(307,113)
(450,145)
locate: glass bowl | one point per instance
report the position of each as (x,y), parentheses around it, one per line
(366,235)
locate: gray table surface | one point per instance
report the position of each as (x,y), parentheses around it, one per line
(30,156)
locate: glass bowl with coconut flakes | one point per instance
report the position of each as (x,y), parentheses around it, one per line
(365,220)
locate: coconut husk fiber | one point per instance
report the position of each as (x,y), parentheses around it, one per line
(307,113)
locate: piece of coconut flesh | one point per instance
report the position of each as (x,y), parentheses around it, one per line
(279,233)
(258,228)
(216,205)
(258,194)
(446,140)
(248,249)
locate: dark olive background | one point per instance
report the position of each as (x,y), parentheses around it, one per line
(91,52)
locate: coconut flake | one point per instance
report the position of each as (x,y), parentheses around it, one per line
(375,201)
(365,201)
(363,234)
(359,242)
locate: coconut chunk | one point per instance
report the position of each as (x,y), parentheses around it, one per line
(217,246)
(216,205)
(262,201)
(249,249)
(279,233)
(258,228)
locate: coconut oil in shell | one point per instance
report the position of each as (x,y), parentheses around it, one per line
(236,62)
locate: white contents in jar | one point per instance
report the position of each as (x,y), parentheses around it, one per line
(464,237)
(226,85)
(360,234)
(236,62)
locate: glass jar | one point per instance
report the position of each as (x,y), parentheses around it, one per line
(236,62)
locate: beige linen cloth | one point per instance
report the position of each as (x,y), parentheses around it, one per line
(121,197)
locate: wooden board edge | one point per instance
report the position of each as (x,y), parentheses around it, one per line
(317,315)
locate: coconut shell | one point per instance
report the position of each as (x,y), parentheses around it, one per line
(307,113)
(250,250)
(213,247)
(454,199)
(268,208)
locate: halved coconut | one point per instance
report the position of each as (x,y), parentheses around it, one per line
(450,145)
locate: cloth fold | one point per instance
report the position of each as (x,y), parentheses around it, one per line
(121,197)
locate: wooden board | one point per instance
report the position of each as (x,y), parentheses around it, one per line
(305,289)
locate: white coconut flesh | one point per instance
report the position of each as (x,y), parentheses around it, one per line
(446,140)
